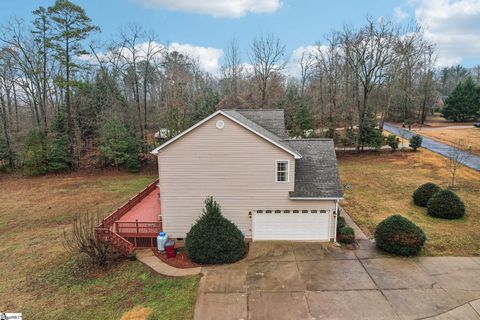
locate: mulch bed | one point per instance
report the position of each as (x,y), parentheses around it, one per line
(182,261)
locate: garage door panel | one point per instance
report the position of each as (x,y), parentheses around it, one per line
(290,226)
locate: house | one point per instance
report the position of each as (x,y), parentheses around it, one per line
(271,186)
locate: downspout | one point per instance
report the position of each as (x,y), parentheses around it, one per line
(335,223)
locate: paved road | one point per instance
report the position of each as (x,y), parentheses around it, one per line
(472,161)
(292,280)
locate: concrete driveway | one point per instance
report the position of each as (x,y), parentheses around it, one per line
(287,280)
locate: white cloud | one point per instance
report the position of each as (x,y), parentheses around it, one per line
(216,8)
(453,25)
(309,52)
(208,57)
(399,14)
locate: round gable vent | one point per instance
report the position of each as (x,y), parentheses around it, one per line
(220,124)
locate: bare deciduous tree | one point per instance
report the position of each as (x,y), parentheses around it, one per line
(456,156)
(306,62)
(369,53)
(267,56)
(232,69)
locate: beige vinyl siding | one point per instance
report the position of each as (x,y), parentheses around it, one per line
(234,165)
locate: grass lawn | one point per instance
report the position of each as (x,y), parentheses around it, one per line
(381,184)
(39,277)
(467,136)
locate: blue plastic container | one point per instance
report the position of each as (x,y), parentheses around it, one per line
(162,238)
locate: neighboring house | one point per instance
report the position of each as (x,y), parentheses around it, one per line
(270,186)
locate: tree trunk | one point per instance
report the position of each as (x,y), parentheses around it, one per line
(145,96)
(15,103)
(67,98)
(3,114)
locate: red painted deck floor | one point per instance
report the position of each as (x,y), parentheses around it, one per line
(146,210)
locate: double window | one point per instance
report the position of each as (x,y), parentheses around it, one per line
(281,170)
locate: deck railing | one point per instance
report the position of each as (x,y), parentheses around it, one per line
(138,228)
(120,212)
(108,230)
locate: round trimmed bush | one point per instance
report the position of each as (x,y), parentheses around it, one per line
(424,193)
(213,239)
(445,204)
(341,223)
(347,235)
(400,236)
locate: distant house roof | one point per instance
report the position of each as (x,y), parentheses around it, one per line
(316,173)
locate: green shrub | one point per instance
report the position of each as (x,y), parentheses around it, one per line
(392,141)
(424,193)
(341,223)
(347,235)
(372,137)
(119,146)
(445,204)
(57,157)
(33,156)
(398,235)
(213,238)
(416,142)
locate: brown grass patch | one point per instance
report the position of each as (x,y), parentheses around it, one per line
(380,184)
(466,136)
(438,121)
(137,313)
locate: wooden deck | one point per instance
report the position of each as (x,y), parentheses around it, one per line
(136,223)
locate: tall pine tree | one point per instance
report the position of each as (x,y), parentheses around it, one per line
(71,26)
(464,102)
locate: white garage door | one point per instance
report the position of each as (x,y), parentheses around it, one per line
(291,225)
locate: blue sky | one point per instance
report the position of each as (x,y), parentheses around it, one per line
(454,25)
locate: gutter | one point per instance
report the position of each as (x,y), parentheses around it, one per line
(336,219)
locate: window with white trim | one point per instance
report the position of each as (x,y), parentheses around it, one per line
(281,170)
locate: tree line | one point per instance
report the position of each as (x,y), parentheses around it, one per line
(67,101)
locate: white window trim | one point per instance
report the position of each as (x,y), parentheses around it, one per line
(288,171)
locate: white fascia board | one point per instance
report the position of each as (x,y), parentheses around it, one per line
(156,150)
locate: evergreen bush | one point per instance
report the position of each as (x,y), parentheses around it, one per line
(347,235)
(416,142)
(400,236)
(213,239)
(119,147)
(424,193)
(341,222)
(445,204)
(392,141)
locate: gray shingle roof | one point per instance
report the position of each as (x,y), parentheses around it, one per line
(316,173)
(254,126)
(271,119)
